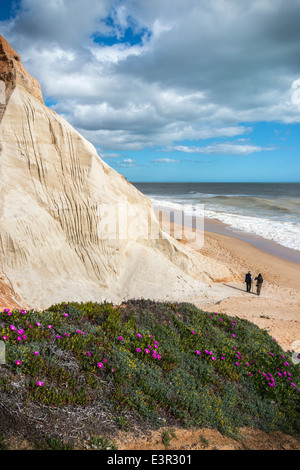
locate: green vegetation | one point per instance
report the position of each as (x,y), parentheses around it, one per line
(149,363)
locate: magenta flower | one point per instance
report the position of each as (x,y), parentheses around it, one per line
(24,336)
(20,332)
(138,350)
(38,324)
(88,354)
(39,383)
(121,338)
(19,338)
(18,362)
(100,365)
(193,332)
(139,335)
(12,327)
(233,336)
(237,363)
(49,326)
(66,315)
(147,351)
(197,352)
(36,353)
(4,337)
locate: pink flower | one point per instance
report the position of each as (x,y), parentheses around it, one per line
(65,315)
(193,332)
(38,324)
(237,363)
(138,350)
(39,383)
(36,353)
(100,365)
(12,327)
(139,335)
(121,338)
(197,352)
(233,336)
(24,336)
(19,338)
(147,351)
(88,354)
(20,332)
(213,358)
(49,326)
(4,337)
(18,362)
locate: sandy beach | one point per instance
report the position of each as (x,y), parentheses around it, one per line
(277,309)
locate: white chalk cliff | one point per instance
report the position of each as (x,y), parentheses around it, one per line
(54,191)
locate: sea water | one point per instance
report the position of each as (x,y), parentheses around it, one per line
(269,210)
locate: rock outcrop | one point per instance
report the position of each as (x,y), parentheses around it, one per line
(59,240)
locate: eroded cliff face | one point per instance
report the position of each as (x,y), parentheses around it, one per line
(71,226)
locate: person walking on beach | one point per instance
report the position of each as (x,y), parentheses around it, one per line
(259,280)
(248,281)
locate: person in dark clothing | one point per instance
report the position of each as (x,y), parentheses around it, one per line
(248,281)
(259,280)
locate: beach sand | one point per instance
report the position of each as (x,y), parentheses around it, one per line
(277,309)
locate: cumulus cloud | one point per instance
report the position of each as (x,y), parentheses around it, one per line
(225,148)
(134,74)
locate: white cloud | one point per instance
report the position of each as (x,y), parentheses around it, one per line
(164,160)
(199,70)
(226,148)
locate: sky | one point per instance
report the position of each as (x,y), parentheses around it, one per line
(171,90)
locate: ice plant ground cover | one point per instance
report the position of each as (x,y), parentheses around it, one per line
(144,362)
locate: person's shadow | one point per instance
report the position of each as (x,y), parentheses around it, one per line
(238,288)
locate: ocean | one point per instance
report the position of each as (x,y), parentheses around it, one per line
(268,210)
